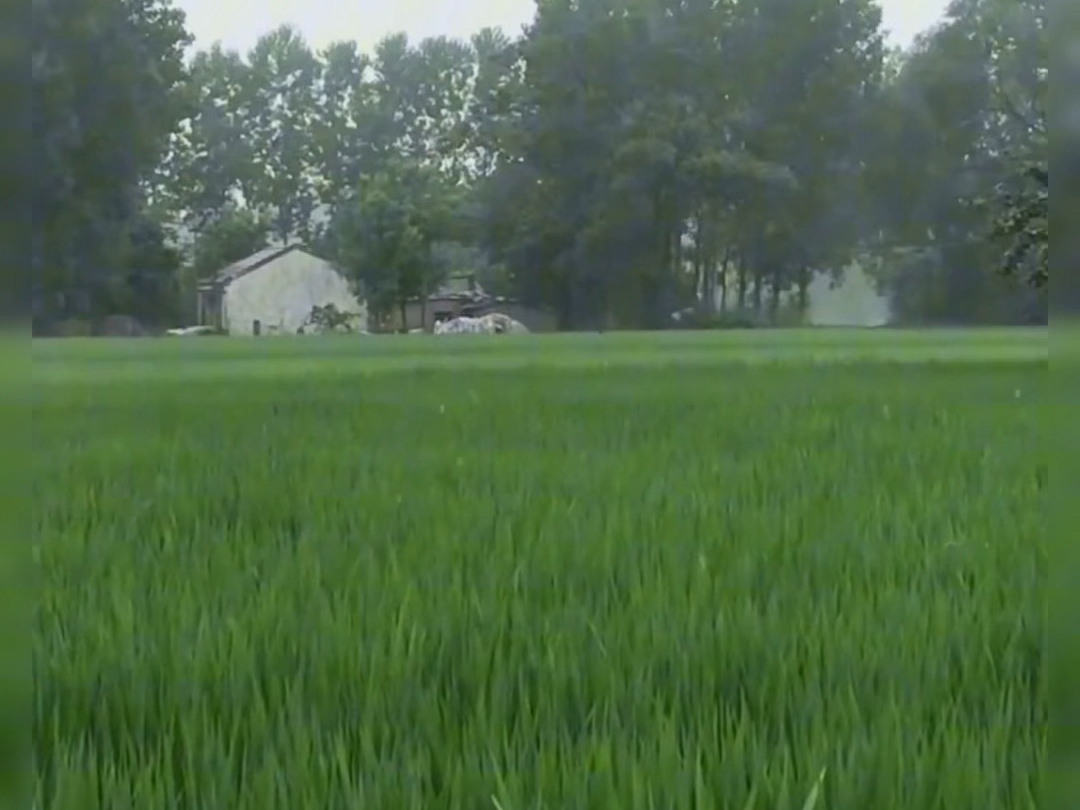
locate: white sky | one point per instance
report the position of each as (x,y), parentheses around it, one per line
(237,24)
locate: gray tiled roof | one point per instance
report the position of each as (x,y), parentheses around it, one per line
(235,270)
(461,287)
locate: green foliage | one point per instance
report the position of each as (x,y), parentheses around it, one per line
(617,153)
(283,77)
(1023,223)
(106,79)
(328,318)
(335,129)
(148,290)
(214,162)
(614,159)
(964,113)
(475,578)
(234,234)
(385,239)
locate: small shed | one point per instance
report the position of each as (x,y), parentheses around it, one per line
(274,291)
(462,295)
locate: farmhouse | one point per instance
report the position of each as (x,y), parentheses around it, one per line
(273,292)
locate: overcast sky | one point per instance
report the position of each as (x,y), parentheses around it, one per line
(238,23)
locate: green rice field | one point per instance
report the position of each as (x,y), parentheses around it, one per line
(748,571)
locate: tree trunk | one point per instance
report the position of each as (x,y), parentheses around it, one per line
(722,278)
(675,253)
(564,306)
(759,287)
(700,263)
(775,286)
(709,261)
(804,289)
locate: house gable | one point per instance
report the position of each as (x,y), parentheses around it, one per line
(274,292)
(230,273)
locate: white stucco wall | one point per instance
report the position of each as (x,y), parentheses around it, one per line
(281,293)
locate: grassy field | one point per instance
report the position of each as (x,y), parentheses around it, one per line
(612,572)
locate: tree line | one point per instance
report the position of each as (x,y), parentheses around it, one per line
(615,161)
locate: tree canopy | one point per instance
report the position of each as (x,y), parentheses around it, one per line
(615,161)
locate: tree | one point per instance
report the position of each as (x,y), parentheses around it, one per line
(149,287)
(404,103)
(445,71)
(646,147)
(335,131)
(211,163)
(957,128)
(810,68)
(618,160)
(107,82)
(1022,222)
(392,156)
(1018,44)
(235,234)
(386,238)
(16,171)
(498,72)
(283,80)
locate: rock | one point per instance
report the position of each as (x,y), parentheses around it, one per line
(191,331)
(494,323)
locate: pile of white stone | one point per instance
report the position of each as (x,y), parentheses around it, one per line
(494,323)
(190,331)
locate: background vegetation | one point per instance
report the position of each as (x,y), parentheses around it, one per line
(612,161)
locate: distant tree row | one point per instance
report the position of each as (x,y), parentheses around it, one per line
(615,161)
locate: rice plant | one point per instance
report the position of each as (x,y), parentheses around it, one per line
(541,576)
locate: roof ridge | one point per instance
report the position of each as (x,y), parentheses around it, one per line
(241,267)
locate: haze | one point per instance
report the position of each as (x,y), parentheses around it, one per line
(237,24)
